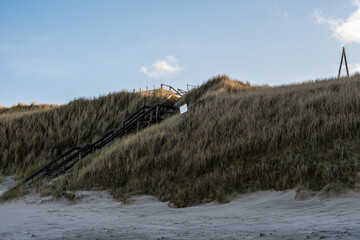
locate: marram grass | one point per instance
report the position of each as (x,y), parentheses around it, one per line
(242,139)
(37,136)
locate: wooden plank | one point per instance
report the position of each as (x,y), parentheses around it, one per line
(157,113)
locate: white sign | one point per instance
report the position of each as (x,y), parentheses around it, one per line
(183,109)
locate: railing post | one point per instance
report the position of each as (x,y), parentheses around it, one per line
(138,126)
(151,117)
(157,113)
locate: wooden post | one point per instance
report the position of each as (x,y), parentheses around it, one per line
(140,89)
(138,126)
(346,65)
(343,57)
(183,110)
(157,113)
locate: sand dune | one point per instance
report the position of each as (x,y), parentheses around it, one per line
(266,215)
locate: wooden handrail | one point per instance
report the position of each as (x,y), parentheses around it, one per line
(132,115)
(81,152)
(48,165)
(181,92)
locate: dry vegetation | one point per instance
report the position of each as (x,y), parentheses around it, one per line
(30,141)
(242,139)
(21,109)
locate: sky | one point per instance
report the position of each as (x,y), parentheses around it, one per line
(57,51)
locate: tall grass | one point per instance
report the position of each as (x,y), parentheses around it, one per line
(22,107)
(241,139)
(30,140)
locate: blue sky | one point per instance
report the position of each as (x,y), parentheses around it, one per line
(56,51)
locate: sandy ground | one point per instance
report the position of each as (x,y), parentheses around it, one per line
(265,215)
(8,183)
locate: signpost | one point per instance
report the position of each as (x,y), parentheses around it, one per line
(183,110)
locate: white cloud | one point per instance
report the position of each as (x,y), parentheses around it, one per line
(354,68)
(346,31)
(162,68)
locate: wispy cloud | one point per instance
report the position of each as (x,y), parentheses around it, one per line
(162,68)
(354,68)
(346,31)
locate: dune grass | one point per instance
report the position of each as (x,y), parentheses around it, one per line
(30,140)
(242,139)
(22,107)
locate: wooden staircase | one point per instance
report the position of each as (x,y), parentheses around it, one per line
(142,118)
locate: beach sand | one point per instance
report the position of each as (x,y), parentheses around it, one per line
(264,215)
